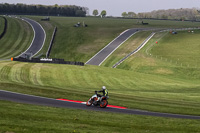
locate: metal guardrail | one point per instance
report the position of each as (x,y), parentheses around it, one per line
(51,43)
(180,29)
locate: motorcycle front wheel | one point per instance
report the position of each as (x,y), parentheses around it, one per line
(89,102)
(103,103)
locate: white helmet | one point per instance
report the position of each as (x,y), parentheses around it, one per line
(103,87)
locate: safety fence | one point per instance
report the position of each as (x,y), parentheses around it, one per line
(46,60)
(5,27)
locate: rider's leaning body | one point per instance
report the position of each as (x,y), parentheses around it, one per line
(104,91)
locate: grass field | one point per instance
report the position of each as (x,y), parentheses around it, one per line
(126,88)
(17,38)
(149,80)
(24,118)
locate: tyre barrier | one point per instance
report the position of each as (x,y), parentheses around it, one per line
(46,60)
(5,27)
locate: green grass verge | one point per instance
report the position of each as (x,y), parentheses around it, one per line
(17,38)
(22,118)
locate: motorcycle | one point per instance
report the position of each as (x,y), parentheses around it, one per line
(95,100)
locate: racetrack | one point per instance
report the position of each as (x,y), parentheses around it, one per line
(30,99)
(103,54)
(38,40)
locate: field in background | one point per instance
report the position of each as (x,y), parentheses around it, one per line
(80,44)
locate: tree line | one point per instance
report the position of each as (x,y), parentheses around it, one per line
(178,14)
(55,10)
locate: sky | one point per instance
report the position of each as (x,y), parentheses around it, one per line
(117,7)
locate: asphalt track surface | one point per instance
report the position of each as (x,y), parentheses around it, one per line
(30,99)
(103,54)
(38,39)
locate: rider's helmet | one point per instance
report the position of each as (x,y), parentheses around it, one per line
(103,87)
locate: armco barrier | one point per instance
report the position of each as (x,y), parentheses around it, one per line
(51,43)
(5,27)
(46,60)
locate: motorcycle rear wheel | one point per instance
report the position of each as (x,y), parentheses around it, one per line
(103,103)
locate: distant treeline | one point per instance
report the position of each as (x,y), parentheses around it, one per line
(176,14)
(55,10)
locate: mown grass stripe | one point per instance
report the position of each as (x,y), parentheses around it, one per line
(5,72)
(35,74)
(16,72)
(25,73)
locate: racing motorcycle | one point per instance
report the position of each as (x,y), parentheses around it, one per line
(95,100)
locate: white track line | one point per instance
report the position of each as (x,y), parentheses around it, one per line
(109,44)
(32,40)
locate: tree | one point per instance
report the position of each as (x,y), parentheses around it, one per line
(124,14)
(95,12)
(103,13)
(131,14)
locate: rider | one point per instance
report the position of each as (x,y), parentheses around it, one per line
(104,91)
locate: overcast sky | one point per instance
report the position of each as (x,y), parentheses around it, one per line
(116,7)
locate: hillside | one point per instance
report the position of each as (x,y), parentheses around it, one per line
(80,44)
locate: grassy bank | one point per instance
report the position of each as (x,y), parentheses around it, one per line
(17,38)
(127,88)
(175,55)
